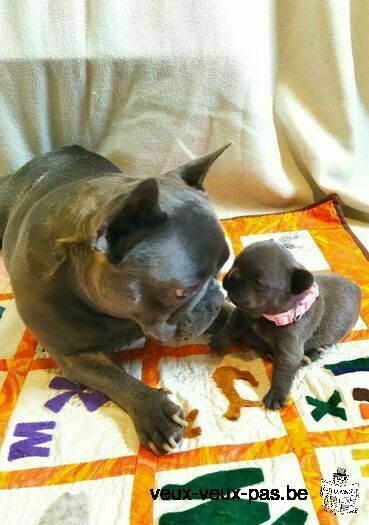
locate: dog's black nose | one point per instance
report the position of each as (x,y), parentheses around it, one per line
(231,279)
(226,282)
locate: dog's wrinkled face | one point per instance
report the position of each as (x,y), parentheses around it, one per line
(266,279)
(164,247)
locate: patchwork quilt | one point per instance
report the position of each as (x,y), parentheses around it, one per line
(71,456)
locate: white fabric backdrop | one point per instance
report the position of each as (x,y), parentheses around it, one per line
(150,83)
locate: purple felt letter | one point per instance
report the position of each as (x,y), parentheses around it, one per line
(91,400)
(34,437)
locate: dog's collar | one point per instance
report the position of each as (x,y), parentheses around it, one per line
(295,313)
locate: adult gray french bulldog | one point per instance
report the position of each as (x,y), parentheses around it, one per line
(97,259)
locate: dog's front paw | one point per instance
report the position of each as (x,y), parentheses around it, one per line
(159,422)
(275,399)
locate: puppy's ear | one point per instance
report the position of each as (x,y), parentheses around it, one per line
(193,172)
(301,280)
(133,213)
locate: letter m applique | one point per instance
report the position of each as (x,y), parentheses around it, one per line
(34,437)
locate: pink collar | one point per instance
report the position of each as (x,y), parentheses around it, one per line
(295,313)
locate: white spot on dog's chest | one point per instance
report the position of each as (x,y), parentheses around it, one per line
(135,290)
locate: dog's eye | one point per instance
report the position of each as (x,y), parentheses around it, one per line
(259,284)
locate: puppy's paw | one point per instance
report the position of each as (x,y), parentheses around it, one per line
(159,422)
(275,399)
(219,345)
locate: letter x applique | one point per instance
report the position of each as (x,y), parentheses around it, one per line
(327,407)
(91,400)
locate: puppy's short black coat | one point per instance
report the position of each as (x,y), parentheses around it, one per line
(266,279)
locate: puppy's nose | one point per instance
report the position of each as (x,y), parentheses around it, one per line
(227,282)
(231,279)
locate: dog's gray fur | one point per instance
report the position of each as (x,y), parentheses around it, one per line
(95,258)
(266,279)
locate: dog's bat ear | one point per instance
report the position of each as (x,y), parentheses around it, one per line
(193,172)
(301,280)
(137,211)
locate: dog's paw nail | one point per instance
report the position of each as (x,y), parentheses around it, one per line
(173,442)
(160,423)
(154,449)
(179,420)
(306,360)
(274,400)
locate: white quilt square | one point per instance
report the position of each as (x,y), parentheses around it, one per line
(77,434)
(320,383)
(190,379)
(106,501)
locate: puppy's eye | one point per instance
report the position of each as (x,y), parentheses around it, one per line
(259,284)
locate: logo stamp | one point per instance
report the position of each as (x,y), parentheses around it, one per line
(337,495)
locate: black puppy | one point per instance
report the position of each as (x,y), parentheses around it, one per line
(284,310)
